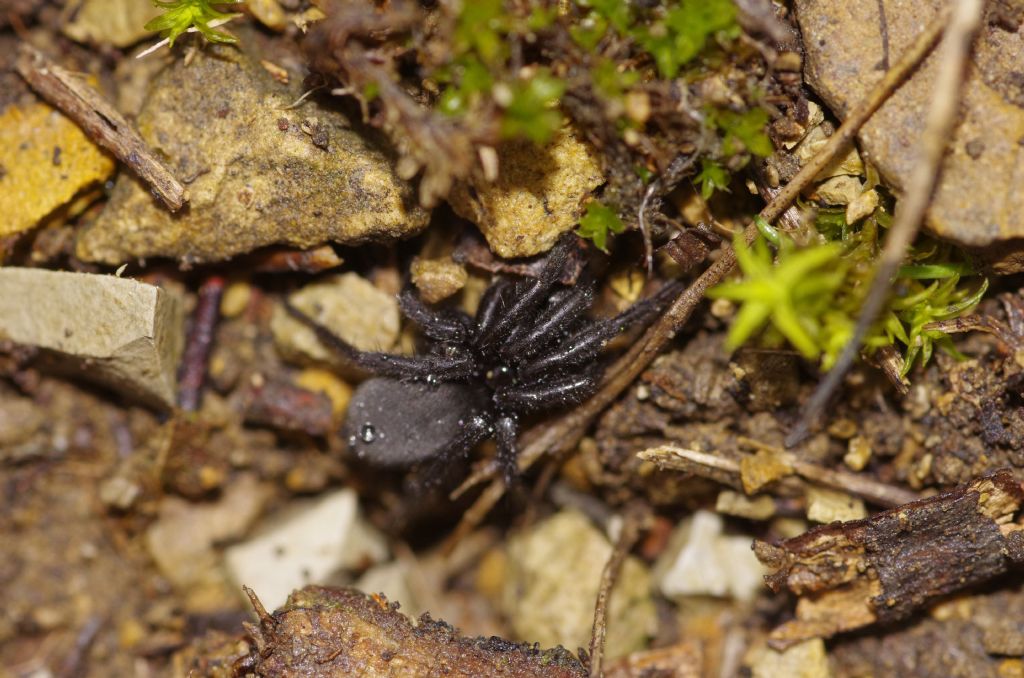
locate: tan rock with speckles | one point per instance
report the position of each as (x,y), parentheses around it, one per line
(257,172)
(538,195)
(348,305)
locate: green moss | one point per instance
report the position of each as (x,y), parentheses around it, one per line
(181,15)
(810,297)
(598,222)
(712,177)
(742,130)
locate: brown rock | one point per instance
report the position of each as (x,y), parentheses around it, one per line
(254,175)
(978,202)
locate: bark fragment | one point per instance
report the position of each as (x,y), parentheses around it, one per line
(883,568)
(342,632)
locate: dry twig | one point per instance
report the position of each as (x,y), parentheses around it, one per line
(633,523)
(963,26)
(100,121)
(728,471)
(563,433)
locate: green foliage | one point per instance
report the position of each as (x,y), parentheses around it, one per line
(181,15)
(792,293)
(598,222)
(744,130)
(677,39)
(477,73)
(712,177)
(532,111)
(811,296)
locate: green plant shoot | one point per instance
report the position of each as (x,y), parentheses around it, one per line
(181,15)
(597,223)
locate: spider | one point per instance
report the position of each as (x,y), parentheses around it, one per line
(529,348)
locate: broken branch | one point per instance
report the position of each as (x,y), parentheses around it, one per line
(100,121)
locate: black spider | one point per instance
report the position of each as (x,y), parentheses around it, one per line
(529,348)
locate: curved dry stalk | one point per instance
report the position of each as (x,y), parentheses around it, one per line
(633,522)
(962,27)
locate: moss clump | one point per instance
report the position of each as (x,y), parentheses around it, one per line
(810,296)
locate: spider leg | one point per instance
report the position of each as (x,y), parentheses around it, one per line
(569,389)
(441,367)
(491,303)
(564,309)
(442,327)
(588,342)
(528,295)
(506,430)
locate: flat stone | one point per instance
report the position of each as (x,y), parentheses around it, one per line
(978,202)
(120,332)
(305,543)
(554,572)
(45,160)
(257,172)
(537,196)
(803,660)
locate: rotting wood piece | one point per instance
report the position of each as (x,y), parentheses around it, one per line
(325,632)
(883,568)
(100,121)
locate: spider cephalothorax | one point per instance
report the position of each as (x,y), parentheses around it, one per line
(529,348)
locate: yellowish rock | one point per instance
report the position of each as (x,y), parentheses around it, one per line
(825,505)
(763,468)
(803,660)
(733,503)
(328,383)
(236,299)
(840,190)
(861,206)
(538,195)
(858,453)
(46,161)
(553,575)
(438,279)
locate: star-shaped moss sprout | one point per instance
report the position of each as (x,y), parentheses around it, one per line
(790,291)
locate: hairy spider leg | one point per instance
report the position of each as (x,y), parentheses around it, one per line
(506,431)
(587,343)
(564,310)
(528,295)
(570,389)
(447,327)
(432,366)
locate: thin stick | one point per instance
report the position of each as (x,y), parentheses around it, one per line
(194,364)
(858,485)
(633,521)
(563,433)
(942,115)
(100,121)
